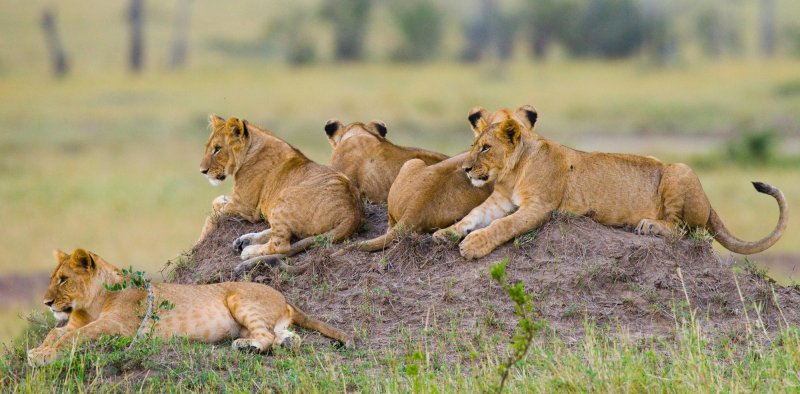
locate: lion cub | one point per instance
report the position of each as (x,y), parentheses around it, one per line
(534,176)
(428,197)
(362,152)
(257,315)
(275,181)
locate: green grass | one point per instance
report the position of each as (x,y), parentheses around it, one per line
(603,360)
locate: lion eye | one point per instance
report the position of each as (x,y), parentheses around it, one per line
(216,149)
(62,280)
(485,148)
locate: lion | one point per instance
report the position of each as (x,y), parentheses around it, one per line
(372,162)
(276,182)
(424,197)
(534,176)
(82,298)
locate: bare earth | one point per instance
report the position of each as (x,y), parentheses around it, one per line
(577,269)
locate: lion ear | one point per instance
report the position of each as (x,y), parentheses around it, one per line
(82,259)
(509,131)
(477,118)
(215,120)
(237,128)
(378,127)
(528,115)
(60,255)
(332,126)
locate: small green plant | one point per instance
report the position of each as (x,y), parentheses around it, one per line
(136,280)
(526,327)
(525,239)
(700,234)
(452,236)
(322,241)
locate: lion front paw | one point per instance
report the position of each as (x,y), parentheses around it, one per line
(41,356)
(240,243)
(218,203)
(476,245)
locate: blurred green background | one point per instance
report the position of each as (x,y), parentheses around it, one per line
(101,151)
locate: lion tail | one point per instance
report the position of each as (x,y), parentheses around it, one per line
(378,243)
(736,245)
(301,319)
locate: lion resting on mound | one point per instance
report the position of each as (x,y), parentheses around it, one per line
(274,181)
(534,176)
(257,315)
(362,152)
(428,197)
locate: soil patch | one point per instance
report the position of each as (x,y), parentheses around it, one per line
(577,269)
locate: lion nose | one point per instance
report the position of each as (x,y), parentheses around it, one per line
(467,169)
(204,171)
(48,302)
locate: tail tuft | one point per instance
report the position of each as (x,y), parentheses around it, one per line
(274,261)
(762,187)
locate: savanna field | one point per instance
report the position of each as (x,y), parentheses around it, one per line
(109,161)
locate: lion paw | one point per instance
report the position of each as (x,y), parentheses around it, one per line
(240,243)
(218,203)
(652,227)
(476,245)
(41,356)
(252,251)
(247,344)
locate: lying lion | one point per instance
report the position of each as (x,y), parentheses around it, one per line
(257,315)
(362,152)
(275,181)
(534,176)
(424,197)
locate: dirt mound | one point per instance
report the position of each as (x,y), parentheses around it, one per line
(577,269)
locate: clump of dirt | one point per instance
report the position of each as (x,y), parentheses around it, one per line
(577,269)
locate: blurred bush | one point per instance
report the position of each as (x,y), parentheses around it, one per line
(754,147)
(292,34)
(420,23)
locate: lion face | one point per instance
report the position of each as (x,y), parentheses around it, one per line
(71,284)
(227,141)
(337,131)
(497,137)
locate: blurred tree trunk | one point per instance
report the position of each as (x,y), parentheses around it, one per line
(177,57)
(480,32)
(136,19)
(57,54)
(350,19)
(767,17)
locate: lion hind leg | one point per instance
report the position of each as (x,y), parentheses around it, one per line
(683,198)
(257,334)
(279,243)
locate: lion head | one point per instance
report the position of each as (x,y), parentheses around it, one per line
(225,148)
(497,142)
(337,131)
(74,283)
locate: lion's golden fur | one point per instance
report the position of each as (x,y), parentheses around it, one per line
(534,176)
(255,315)
(275,181)
(363,153)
